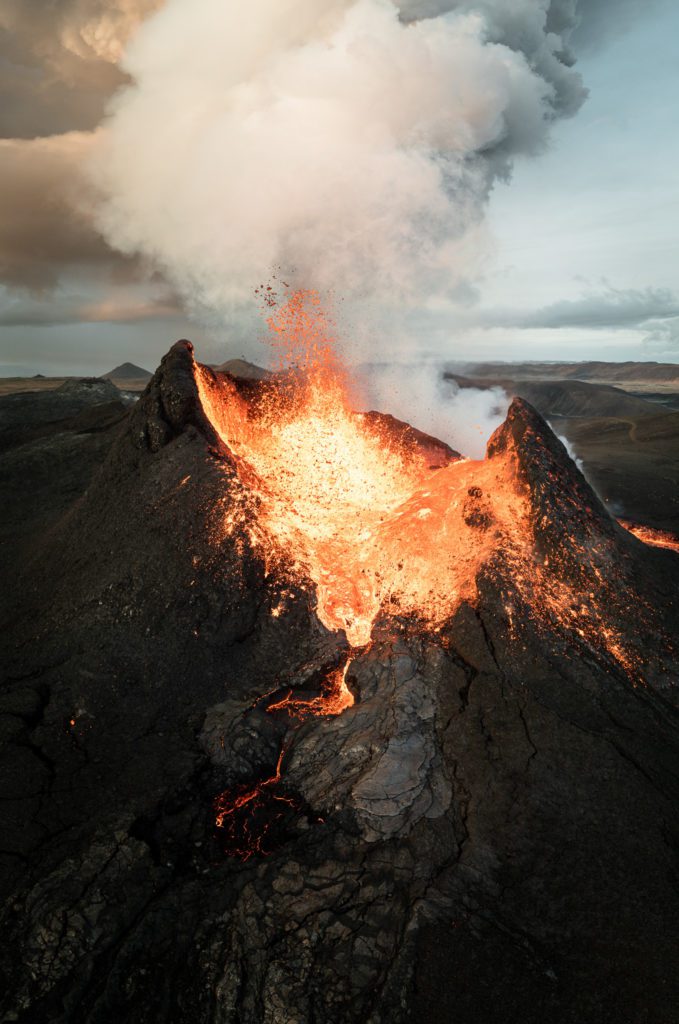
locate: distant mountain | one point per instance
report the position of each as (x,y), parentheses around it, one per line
(242,368)
(127,371)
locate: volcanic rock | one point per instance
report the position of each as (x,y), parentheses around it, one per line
(486,835)
(27,415)
(51,444)
(437,453)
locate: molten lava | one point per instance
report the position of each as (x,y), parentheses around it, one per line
(335,698)
(383,526)
(386,522)
(247,817)
(656,538)
(345,500)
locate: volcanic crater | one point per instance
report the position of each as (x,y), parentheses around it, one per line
(309,718)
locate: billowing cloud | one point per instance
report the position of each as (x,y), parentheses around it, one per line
(538,29)
(353,149)
(353,142)
(534,24)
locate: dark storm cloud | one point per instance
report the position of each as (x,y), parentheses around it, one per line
(36,101)
(57,72)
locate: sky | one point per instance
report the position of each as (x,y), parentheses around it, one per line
(574,255)
(586,236)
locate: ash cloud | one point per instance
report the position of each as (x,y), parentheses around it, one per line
(355,147)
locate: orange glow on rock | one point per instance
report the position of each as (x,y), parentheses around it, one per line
(385,525)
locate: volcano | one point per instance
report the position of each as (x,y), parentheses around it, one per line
(296,735)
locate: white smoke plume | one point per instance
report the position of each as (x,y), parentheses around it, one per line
(418,393)
(350,144)
(569,448)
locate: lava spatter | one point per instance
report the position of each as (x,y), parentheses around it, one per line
(379,526)
(344,498)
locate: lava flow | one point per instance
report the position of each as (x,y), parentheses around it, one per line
(335,698)
(249,817)
(656,538)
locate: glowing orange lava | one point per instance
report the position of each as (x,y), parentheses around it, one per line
(246,815)
(656,538)
(383,527)
(362,515)
(335,698)
(385,523)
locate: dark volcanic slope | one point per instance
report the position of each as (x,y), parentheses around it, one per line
(50,446)
(26,416)
(487,835)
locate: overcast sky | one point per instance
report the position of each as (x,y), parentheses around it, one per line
(583,255)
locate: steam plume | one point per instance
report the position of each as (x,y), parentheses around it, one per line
(351,144)
(418,393)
